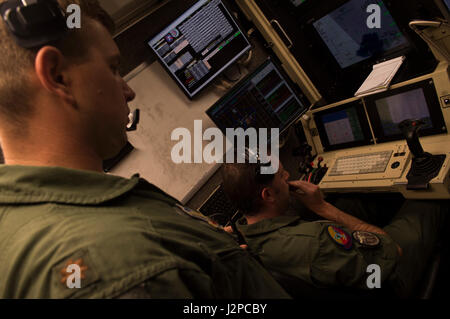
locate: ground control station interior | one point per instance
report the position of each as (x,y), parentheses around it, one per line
(296,65)
(317,55)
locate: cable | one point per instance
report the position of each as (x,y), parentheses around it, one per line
(248,59)
(240,74)
(233,220)
(311,106)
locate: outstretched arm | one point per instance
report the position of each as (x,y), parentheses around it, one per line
(311,196)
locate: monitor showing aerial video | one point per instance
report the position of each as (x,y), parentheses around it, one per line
(418,101)
(348,37)
(199,45)
(264,99)
(343,126)
(408,105)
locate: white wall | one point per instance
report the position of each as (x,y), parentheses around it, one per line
(164,107)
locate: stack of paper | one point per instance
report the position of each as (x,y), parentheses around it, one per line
(380,77)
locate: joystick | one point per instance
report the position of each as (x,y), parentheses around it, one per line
(424,166)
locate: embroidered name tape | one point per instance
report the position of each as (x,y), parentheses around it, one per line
(340,237)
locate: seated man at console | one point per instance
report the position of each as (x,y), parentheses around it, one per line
(337,250)
(66,228)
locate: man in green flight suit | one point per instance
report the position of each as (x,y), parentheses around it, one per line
(66,228)
(336,249)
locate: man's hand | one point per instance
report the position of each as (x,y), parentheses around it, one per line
(228,229)
(309,194)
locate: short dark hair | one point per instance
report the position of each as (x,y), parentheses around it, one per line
(243,185)
(15,61)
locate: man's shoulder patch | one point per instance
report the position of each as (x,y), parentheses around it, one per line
(340,237)
(366,239)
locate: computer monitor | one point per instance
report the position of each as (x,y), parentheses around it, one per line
(199,45)
(343,126)
(349,39)
(416,101)
(266,98)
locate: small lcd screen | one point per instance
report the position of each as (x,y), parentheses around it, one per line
(408,105)
(199,45)
(346,33)
(343,127)
(447,3)
(263,100)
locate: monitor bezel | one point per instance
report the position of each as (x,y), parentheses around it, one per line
(433,104)
(363,120)
(297,91)
(205,85)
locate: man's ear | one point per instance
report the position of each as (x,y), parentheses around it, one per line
(267,194)
(51,70)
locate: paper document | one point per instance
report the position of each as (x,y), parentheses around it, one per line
(380,77)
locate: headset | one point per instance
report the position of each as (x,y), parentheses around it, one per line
(34,23)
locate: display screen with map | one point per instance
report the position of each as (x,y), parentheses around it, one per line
(347,35)
(344,126)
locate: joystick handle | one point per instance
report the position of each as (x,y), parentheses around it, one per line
(410,129)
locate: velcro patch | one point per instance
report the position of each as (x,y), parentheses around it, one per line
(340,237)
(366,239)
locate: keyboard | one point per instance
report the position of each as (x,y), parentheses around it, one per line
(218,207)
(361,164)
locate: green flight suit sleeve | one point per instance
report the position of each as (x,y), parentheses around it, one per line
(335,264)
